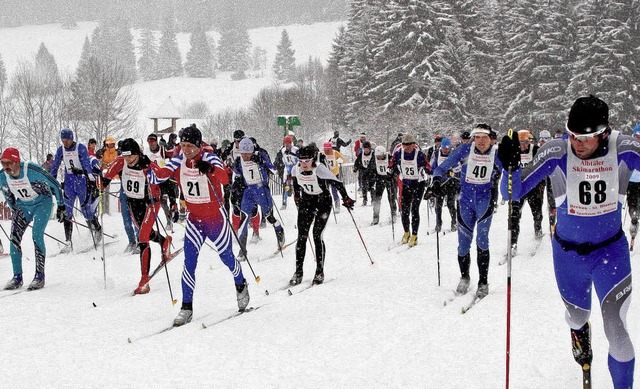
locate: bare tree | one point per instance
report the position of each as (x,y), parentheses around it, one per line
(6,110)
(102,102)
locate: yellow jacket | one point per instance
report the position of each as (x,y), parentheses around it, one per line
(334,160)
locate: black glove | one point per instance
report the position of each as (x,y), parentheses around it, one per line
(348,202)
(436,187)
(204,167)
(77,171)
(61,213)
(175,215)
(509,152)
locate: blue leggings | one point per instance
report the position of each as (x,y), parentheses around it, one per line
(22,216)
(220,234)
(474,211)
(609,270)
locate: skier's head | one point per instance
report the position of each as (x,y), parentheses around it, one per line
(363,136)
(366,147)
(66,136)
(380,152)
(190,141)
(288,141)
(238,135)
(523,138)
(336,133)
(544,136)
(446,145)
(481,137)
(306,157)
(327,147)
(437,139)
(246,148)
(10,160)
(588,126)
(130,151)
(466,137)
(588,116)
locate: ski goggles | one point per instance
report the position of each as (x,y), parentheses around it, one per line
(306,160)
(583,137)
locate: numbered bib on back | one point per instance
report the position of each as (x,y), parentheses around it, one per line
(526,158)
(366,159)
(21,187)
(156,157)
(289,159)
(133,182)
(331,162)
(409,168)
(195,186)
(251,172)
(592,185)
(479,166)
(309,183)
(71,159)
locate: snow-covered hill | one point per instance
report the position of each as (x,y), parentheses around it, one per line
(368,326)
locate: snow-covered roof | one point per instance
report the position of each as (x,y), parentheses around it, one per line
(167,110)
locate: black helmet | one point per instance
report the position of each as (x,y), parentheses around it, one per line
(306,152)
(130,147)
(191,135)
(336,133)
(588,115)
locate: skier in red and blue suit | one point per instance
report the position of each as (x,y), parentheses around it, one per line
(589,174)
(200,175)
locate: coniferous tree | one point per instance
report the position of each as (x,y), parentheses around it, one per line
(199,59)
(123,51)
(234,46)
(335,81)
(148,55)
(169,58)
(3,77)
(285,62)
(85,53)
(259,58)
(46,66)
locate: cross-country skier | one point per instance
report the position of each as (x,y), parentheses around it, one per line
(589,174)
(311,181)
(158,154)
(253,167)
(337,142)
(543,138)
(28,190)
(334,161)
(382,180)
(143,200)
(450,184)
(475,207)
(411,164)
(77,167)
(361,167)
(286,159)
(200,176)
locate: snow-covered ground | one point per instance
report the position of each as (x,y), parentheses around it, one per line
(369,326)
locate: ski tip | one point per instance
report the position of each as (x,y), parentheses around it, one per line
(204,326)
(289,292)
(129,340)
(266,292)
(94,305)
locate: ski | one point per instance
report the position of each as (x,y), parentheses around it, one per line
(281,249)
(163,330)
(444,232)
(92,247)
(7,293)
(235,314)
(163,263)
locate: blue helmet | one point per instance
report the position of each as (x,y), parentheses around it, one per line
(446,143)
(66,133)
(636,130)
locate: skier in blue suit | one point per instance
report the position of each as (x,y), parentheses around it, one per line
(253,166)
(589,174)
(78,171)
(28,189)
(475,207)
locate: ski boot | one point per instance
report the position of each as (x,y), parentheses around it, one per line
(463,285)
(405,237)
(318,279)
(66,249)
(283,207)
(483,291)
(183,317)
(255,238)
(454,227)
(143,286)
(242,295)
(242,256)
(538,234)
(129,248)
(413,240)
(296,279)
(581,345)
(37,283)
(14,283)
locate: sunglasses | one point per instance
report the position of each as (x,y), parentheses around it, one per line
(407,144)
(583,137)
(306,160)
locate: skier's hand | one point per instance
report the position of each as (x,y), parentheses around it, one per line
(204,167)
(175,215)
(436,187)
(61,213)
(348,202)
(509,152)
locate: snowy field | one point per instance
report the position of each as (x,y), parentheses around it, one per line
(368,326)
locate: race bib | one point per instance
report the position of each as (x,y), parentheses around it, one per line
(592,185)
(479,166)
(133,182)
(195,186)
(71,159)
(409,168)
(21,187)
(251,172)
(309,183)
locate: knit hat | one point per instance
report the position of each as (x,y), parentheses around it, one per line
(408,139)
(246,146)
(238,134)
(130,147)
(446,143)
(327,146)
(523,135)
(66,133)
(288,140)
(191,135)
(10,154)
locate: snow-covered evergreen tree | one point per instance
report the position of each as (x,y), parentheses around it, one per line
(169,60)
(234,46)
(259,58)
(199,59)
(3,76)
(335,81)
(285,61)
(148,55)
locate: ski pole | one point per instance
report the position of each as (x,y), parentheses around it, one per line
(226,217)
(155,215)
(509,212)
(438,253)
(104,255)
(362,240)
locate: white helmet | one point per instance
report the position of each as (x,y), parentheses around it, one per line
(246,146)
(380,150)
